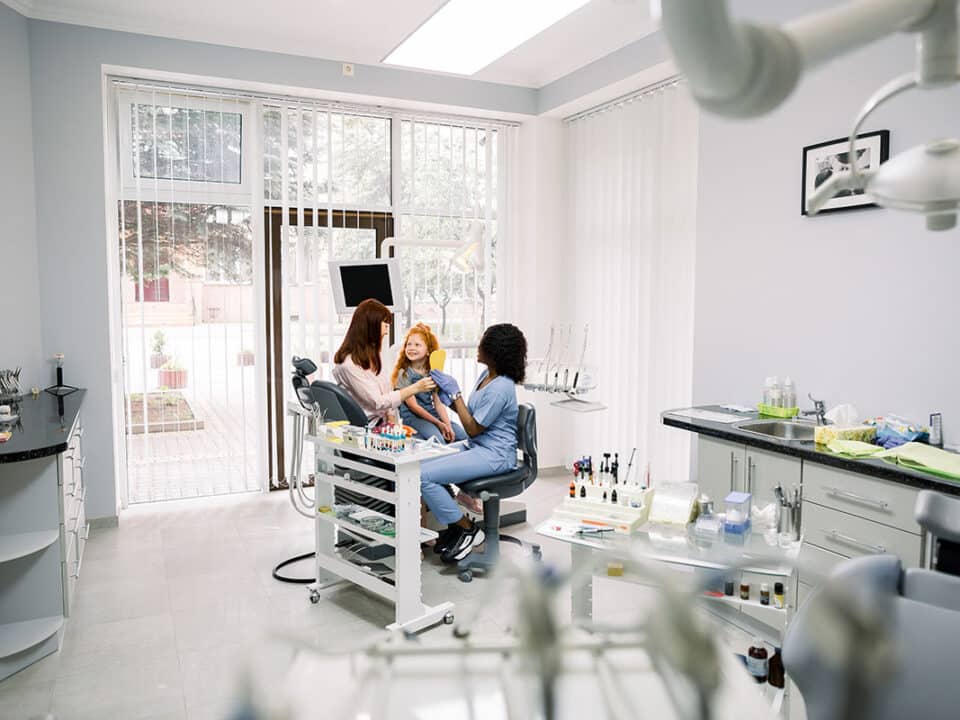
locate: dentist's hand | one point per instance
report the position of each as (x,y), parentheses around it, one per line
(447,384)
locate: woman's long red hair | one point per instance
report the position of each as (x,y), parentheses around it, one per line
(429,339)
(363,339)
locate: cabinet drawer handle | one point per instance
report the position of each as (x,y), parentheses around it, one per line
(733,465)
(853,497)
(751,469)
(839,537)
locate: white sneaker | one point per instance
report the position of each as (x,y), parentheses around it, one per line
(464,545)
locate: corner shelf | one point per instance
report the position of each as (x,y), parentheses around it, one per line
(22,544)
(20,636)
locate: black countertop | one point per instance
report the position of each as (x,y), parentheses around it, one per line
(806,450)
(40,431)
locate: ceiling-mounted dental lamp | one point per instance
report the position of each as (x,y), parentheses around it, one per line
(744,70)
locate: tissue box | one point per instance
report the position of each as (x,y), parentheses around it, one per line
(823,434)
(737,516)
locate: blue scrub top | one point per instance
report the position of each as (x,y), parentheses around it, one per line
(495,408)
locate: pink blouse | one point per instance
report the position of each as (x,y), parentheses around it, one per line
(371,391)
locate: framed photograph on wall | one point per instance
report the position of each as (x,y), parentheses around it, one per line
(822,160)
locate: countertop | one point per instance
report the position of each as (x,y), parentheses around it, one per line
(806,450)
(40,431)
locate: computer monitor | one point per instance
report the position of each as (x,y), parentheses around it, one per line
(354,281)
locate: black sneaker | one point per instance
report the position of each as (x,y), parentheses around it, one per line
(464,544)
(446,536)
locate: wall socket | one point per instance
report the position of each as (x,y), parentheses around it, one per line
(348,69)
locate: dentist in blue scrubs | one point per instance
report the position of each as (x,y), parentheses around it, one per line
(490,419)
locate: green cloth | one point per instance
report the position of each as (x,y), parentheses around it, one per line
(853,448)
(923,457)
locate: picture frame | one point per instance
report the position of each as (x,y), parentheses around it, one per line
(820,161)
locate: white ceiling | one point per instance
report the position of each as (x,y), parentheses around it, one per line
(357,31)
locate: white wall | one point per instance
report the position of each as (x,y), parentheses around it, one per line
(857,307)
(20,323)
(66,64)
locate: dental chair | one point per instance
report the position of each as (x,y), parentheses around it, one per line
(506,485)
(879,641)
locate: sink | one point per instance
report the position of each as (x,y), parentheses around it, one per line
(779,429)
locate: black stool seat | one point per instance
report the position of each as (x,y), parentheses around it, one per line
(506,485)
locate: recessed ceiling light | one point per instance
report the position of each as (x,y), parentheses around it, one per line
(464,36)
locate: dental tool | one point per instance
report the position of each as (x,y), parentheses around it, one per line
(626,478)
(583,356)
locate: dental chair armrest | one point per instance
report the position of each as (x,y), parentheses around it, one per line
(939,515)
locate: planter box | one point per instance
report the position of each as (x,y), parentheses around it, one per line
(245,358)
(172,379)
(157,361)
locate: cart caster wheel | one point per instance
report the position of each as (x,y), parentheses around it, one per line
(465,576)
(448,619)
(314,596)
(537,553)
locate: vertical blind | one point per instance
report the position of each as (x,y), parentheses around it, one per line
(186,276)
(633,194)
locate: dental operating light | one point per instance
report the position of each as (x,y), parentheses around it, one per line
(464,36)
(740,69)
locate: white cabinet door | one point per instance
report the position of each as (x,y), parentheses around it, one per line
(765,470)
(720,468)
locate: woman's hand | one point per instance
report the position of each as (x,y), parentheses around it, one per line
(447,431)
(425,384)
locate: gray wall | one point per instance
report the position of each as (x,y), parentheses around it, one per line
(66,63)
(20,333)
(858,306)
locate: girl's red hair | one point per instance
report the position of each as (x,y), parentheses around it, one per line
(363,339)
(429,339)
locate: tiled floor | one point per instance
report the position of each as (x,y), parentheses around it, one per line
(173,602)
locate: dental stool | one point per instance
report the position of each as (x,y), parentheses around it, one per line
(491,489)
(879,641)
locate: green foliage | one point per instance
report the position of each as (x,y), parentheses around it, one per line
(159,342)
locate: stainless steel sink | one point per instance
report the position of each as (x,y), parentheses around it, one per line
(779,429)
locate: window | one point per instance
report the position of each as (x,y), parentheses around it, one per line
(447,230)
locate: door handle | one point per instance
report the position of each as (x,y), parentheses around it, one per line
(732,463)
(751,468)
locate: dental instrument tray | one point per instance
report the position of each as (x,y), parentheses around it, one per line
(625,519)
(780,412)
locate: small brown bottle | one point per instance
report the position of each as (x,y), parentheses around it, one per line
(775,672)
(573,489)
(758,664)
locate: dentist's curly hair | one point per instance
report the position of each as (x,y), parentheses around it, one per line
(506,348)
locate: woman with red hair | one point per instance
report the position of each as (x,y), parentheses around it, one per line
(359,367)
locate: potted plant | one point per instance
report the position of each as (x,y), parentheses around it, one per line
(245,358)
(158,358)
(172,375)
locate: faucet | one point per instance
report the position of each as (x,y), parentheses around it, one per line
(819,410)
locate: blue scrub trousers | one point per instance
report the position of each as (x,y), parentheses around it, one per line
(426,429)
(470,464)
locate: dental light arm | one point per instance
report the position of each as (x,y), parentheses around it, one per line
(743,70)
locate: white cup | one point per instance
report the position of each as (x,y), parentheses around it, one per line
(4,410)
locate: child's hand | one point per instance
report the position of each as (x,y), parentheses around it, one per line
(447,431)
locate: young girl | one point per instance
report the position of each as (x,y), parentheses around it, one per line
(423,411)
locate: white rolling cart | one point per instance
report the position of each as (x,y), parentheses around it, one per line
(402,584)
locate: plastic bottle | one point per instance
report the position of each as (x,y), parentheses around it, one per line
(789,393)
(758,664)
(776,396)
(768,391)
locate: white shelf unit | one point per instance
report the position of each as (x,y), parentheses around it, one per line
(44,528)
(403,586)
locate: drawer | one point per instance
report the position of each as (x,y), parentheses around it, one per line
(878,500)
(817,563)
(853,536)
